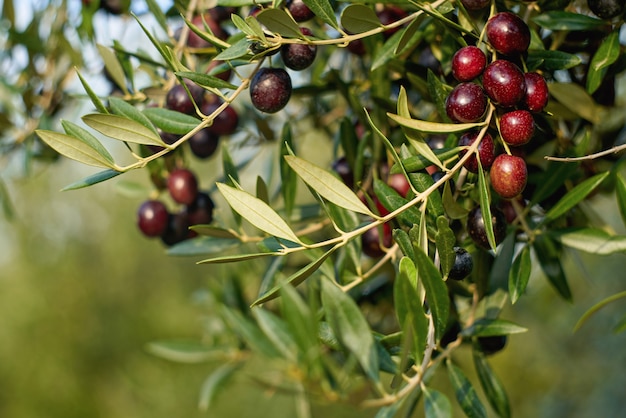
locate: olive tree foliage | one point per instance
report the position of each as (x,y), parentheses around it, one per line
(334,323)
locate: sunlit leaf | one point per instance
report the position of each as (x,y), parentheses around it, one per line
(436,404)
(239,49)
(158,14)
(100,107)
(122,108)
(77,132)
(214,383)
(607,54)
(203,246)
(576,99)
(485,207)
(287,176)
(327,185)
(408,305)
(74,148)
(433,127)
(496,395)
(257,212)
(113,67)
(591,240)
(436,290)
(324,10)
(237,258)
(465,393)
(486,327)
(350,327)
(206,80)
(574,196)
(122,129)
(519,274)
(550,60)
(568,21)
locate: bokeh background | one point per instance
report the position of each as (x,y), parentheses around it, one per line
(82,293)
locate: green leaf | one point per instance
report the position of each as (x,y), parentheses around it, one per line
(277,332)
(77,132)
(302,324)
(620,326)
(595,308)
(324,10)
(607,54)
(496,395)
(620,192)
(100,107)
(409,307)
(411,35)
(249,332)
(465,393)
(191,352)
(170,120)
(92,179)
(327,185)
(213,231)
(386,52)
(257,212)
(237,258)
(454,209)
(576,99)
(436,404)
(445,240)
(436,290)
(591,240)
(5,201)
(358,18)
(214,383)
(75,148)
(433,127)
(574,196)
(419,162)
(438,94)
(158,14)
(422,182)
(203,246)
(568,21)
(113,67)
(122,108)
(549,257)
(486,327)
(288,178)
(391,200)
(279,21)
(296,278)
(552,179)
(239,49)
(401,238)
(551,60)
(122,129)
(206,80)
(485,207)
(350,327)
(519,274)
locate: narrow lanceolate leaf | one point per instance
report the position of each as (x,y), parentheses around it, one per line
(113,67)
(277,332)
(465,393)
(576,99)
(551,60)
(485,207)
(92,179)
(496,395)
(433,127)
(279,21)
(296,278)
(607,54)
(561,20)
(158,14)
(486,327)
(549,256)
(445,240)
(323,10)
(122,108)
(591,240)
(358,18)
(409,308)
(257,212)
(237,258)
(327,185)
(95,100)
(122,129)
(214,383)
(171,121)
(289,180)
(206,80)
(300,321)
(350,327)
(436,290)
(77,132)
(191,352)
(574,196)
(74,148)
(519,274)
(595,308)
(436,404)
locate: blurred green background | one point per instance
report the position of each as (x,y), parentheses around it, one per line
(82,293)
